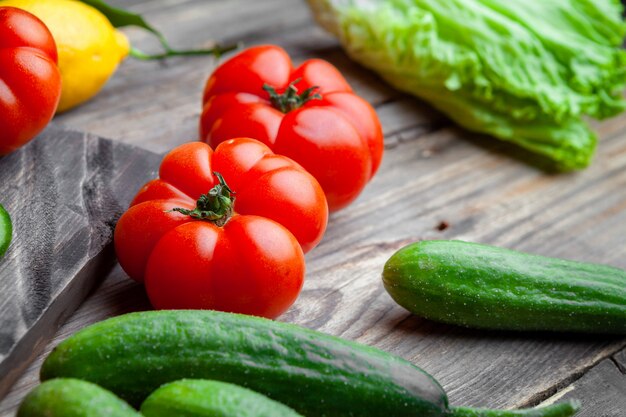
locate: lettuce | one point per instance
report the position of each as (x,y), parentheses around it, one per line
(525,71)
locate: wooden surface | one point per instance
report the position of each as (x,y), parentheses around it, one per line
(484,190)
(64,191)
(601,391)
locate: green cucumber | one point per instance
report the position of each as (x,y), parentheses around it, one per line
(314,373)
(6,230)
(73,398)
(556,410)
(206,398)
(482,286)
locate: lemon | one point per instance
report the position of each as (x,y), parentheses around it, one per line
(90,48)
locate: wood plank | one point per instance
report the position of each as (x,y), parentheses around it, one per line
(65,191)
(601,392)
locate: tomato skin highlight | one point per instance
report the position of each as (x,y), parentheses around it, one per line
(261,122)
(322,74)
(140,229)
(237,102)
(363,117)
(330,148)
(30,81)
(254,262)
(265,64)
(250,266)
(159,189)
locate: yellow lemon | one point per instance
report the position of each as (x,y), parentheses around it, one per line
(90,48)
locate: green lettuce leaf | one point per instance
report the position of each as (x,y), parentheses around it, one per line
(524,71)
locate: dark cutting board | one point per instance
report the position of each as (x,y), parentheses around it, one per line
(64,191)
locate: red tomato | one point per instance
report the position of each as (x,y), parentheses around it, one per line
(30,82)
(239,247)
(308,113)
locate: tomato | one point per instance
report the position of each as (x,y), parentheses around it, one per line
(224,230)
(308,113)
(30,82)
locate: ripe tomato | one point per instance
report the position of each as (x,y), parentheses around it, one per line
(223,230)
(30,82)
(308,113)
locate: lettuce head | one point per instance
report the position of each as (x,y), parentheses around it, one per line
(525,71)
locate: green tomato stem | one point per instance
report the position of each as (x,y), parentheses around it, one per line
(566,409)
(216,51)
(291,99)
(216,206)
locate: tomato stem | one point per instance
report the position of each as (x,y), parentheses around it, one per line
(290,99)
(216,51)
(215,206)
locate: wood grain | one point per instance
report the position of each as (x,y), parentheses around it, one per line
(117,295)
(64,191)
(620,360)
(601,391)
(485,190)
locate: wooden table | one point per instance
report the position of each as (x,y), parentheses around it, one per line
(433,174)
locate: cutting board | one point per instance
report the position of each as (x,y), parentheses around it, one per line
(64,191)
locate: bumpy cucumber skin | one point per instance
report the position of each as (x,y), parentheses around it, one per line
(6,230)
(206,398)
(482,286)
(315,374)
(73,398)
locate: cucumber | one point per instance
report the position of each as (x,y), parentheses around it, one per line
(317,374)
(6,230)
(482,286)
(73,398)
(314,373)
(205,398)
